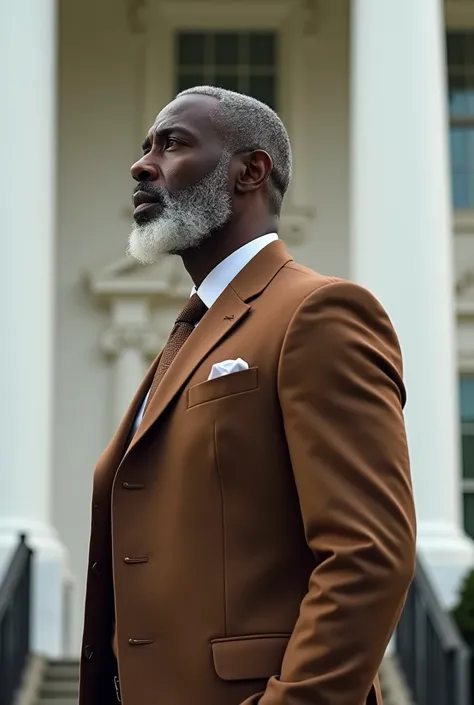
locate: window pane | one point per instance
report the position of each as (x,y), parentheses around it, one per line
(455,44)
(226,49)
(458,148)
(469,95)
(470,190)
(466,398)
(226,80)
(468,455)
(462,165)
(263,88)
(458,87)
(191,49)
(468,48)
(262,49)
(469,514)
(460,199)
(189,80)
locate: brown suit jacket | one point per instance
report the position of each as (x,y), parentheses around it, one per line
(258,533)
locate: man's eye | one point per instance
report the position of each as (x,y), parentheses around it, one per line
(171,143)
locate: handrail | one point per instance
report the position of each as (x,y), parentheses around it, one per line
(15,595)
(434,658)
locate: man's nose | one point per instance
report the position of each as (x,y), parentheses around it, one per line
(144,170)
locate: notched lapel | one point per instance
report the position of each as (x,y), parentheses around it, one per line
(218,322)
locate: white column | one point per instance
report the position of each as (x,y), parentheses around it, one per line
(131,341)
(27,186)
(402,246)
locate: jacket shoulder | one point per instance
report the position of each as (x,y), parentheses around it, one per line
(301,281)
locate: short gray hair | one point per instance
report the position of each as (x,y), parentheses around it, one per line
(245,124)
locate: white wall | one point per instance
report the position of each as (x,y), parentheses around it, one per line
(327,168)
(99,125)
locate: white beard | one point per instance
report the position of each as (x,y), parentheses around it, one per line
(187,219)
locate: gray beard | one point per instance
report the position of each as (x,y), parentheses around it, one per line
(187,219)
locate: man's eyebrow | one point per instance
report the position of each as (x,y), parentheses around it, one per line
(167,130)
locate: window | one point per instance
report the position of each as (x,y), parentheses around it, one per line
(461,107)
(467,429)
(239,61)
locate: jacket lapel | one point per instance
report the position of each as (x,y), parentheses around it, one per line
(219,322)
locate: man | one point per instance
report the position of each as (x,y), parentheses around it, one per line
(253,530)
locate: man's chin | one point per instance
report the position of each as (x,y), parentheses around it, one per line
(140,247)
(147,216)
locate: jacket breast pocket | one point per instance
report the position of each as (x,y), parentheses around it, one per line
(251,657)
(224,386)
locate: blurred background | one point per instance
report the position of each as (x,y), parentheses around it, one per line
(378,99)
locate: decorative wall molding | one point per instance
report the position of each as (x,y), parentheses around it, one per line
(465,294)
(297,224)
(208,14)
(165,280)
(463,222)
(465,282)
(118,338)
(136,14)
(459,14)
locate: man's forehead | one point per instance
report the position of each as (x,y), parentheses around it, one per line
(191,111)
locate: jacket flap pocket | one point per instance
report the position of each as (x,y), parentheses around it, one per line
(224,386)
(249,657)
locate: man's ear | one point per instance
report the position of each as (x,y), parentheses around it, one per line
(254,170)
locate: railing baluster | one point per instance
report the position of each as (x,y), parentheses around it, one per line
(431,653)
(15,595)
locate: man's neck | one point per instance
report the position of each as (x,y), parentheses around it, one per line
(200,261)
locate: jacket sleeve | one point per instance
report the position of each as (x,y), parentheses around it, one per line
(341,394)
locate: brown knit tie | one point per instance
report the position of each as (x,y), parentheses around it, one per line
(184,326)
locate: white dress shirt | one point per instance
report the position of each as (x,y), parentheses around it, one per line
(219,279)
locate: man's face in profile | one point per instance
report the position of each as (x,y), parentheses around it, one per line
(183,193)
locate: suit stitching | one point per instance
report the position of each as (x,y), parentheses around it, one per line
(224,396)
(224,562)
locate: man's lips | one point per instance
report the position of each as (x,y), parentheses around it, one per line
(143,201)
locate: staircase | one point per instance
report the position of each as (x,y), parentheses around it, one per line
(60,684)
(56,683)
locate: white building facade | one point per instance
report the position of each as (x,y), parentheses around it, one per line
(381,119)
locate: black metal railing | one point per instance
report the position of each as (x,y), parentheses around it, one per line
(430,650)
(14,621)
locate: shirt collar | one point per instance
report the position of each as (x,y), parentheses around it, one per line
(221,276)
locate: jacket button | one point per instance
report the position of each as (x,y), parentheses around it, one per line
(88,652)
(95,568)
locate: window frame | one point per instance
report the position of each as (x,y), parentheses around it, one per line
(459,16)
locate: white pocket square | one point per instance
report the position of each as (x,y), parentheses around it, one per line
(227,367)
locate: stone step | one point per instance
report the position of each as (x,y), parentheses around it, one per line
(57,701)
(62,670)
(59,688)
